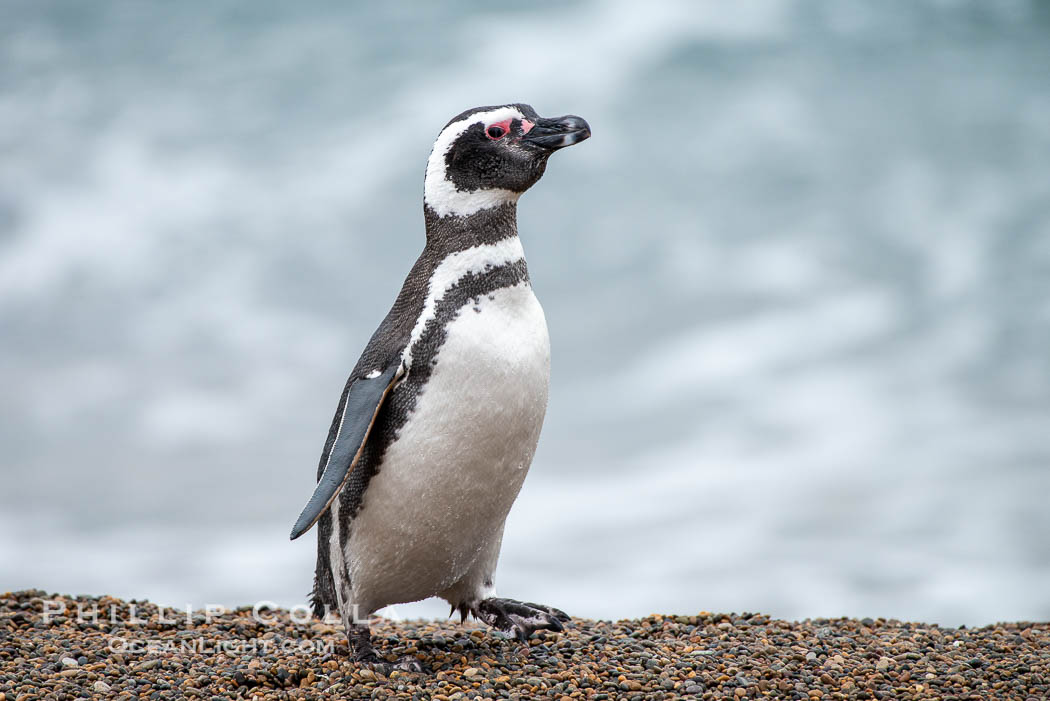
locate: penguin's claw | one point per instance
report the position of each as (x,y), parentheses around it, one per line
(557,613)
(377,664)
(519,618)
(364,654)
(408,663)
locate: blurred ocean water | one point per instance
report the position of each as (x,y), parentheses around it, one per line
(798,288)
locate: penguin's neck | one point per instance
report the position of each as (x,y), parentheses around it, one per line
(452,233)
(458,249)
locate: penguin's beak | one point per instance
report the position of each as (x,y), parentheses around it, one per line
(557,132)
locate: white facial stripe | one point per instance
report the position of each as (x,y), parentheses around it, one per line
(440,194)
(451,270)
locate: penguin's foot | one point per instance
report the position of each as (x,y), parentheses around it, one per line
(379,665)
(362,652)
(519,618)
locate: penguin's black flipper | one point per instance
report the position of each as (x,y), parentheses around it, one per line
(359,413)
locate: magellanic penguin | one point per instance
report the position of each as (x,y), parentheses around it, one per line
(438,422)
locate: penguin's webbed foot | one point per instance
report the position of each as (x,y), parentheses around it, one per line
(519,618)
(362,652)
(377,664)
(381,666)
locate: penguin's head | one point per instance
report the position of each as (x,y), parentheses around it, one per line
(488,156)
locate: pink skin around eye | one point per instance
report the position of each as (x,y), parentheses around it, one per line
(504,125)
(526,126)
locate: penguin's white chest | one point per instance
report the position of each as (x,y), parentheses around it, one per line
(445,486)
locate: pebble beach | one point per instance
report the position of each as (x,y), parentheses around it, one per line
(59,647)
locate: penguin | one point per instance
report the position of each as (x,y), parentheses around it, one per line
(438,422)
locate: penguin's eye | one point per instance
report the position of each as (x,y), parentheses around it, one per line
(495,132)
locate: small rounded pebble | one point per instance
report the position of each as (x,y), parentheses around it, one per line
(159,654)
